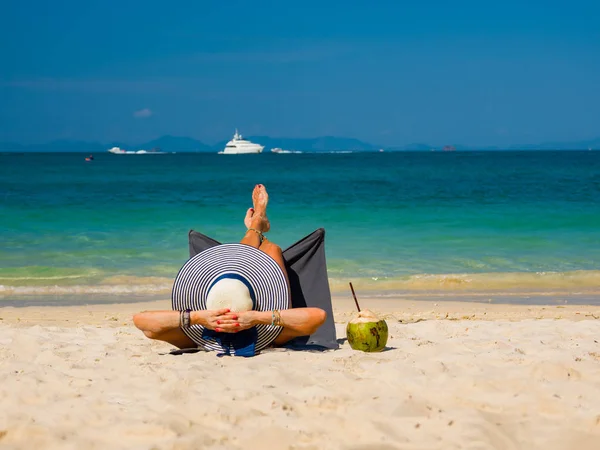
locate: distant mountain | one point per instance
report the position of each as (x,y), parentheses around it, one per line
(55,146)
(339,143)
(176,144)
(165,143)
(65,145)
(412,147)
(319,144)
(460,147)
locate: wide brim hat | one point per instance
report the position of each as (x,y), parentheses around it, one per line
(262,275)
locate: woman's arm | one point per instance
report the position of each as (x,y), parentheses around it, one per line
(164,325)
(156,323)
(297,321)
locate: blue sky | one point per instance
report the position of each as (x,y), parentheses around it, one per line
(388,72)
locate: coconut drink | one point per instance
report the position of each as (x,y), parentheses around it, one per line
(366,332)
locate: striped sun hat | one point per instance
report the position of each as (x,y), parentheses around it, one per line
(258,275)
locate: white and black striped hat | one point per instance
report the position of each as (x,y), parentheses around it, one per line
(258,271)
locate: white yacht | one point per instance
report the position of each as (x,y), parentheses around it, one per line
(239,145)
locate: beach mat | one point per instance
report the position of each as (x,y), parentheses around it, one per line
(309,285)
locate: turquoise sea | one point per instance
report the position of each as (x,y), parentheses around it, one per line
(405,222)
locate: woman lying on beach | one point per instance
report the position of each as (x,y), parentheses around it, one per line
(234,296)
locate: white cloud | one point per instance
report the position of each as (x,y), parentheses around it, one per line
(142,113)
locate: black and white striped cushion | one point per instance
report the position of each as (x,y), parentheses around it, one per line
(256,267)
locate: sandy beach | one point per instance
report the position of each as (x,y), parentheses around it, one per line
(455,375)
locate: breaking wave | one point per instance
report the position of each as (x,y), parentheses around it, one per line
(584,280)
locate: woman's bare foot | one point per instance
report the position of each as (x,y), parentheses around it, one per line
(260,199)
(248,218)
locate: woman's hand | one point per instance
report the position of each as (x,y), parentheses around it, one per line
(231,322)
(210,319)
(246,319)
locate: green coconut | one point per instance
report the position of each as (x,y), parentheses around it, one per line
(367,332)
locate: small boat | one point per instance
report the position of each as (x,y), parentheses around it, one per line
(120,151)
(89,158)
(279,150)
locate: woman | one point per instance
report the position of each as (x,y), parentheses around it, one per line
(254,269)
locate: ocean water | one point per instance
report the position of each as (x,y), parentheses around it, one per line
(402,222)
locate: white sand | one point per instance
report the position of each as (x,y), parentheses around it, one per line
(455,376)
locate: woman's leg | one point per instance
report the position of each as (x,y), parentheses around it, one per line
(257,223)
(296,322)
(274,251)
(256,218)
(251,238)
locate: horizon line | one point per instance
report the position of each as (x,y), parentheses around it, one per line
(579,144)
